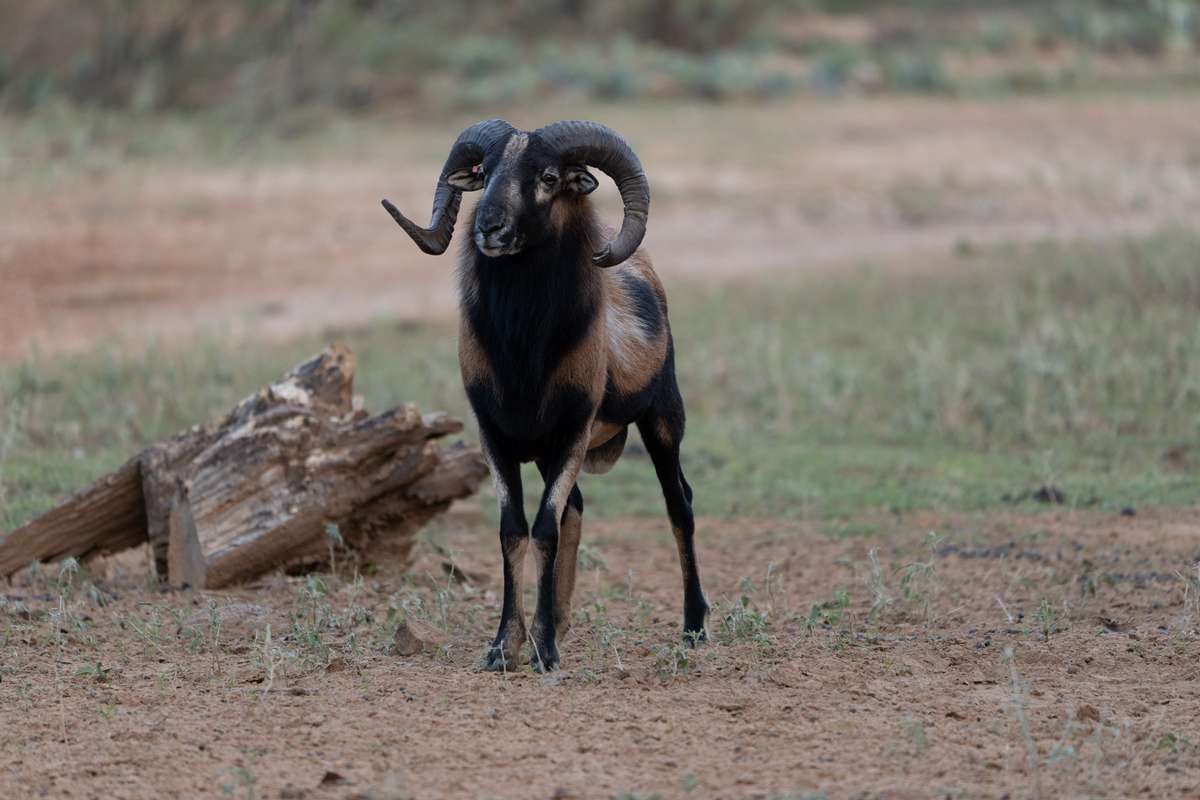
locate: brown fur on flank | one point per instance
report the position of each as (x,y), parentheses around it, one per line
(634,356)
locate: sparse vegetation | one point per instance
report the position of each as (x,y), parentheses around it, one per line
(1172,742)
(828,613)
(918,579)
(881,599)
(238,782)
(1017,707)
(672,661)
(1045,617)
(743,622)
(914,732)
(1191,591)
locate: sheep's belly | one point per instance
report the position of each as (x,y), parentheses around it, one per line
(600,458)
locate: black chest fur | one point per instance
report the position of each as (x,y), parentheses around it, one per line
(528,314)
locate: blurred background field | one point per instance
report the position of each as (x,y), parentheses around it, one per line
(263,59)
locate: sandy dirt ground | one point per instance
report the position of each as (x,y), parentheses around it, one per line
(148,249)
(1049,655)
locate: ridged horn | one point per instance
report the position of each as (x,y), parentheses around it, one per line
(591,143)
(468,150)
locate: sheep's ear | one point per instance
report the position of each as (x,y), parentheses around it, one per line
(467,180)
(578,179)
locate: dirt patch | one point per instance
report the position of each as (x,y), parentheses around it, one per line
(156,250)
(1053,654)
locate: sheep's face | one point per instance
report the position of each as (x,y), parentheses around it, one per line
(525,190)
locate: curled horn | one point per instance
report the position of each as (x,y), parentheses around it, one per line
(600,146)
(468,150)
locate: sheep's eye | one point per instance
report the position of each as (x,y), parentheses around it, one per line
(549,178)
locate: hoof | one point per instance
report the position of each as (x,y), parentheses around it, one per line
(496,660)
(544,659)
(694,617)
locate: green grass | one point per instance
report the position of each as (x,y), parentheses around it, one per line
(829,397)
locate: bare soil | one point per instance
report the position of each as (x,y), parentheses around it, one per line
(155,249)
(1052,655)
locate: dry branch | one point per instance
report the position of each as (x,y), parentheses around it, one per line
(258,489)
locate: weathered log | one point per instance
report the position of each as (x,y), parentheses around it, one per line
(261,488)
(106,517)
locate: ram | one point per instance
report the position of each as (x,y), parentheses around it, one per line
(563,343)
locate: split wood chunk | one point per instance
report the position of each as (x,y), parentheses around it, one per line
(260,488)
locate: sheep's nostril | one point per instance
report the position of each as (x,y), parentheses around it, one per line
(488,226)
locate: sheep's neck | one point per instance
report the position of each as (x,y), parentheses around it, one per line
(529,312)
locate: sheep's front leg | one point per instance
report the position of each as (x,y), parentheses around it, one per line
(505,652)
(570,529)
(560,473)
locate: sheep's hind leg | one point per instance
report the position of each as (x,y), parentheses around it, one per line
(662,432)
